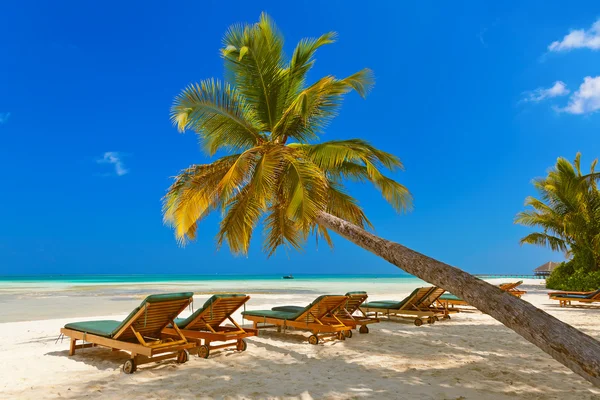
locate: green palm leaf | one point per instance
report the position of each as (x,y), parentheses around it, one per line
(219,114)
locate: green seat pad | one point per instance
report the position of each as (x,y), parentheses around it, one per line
(183,322)
(292,309)
(450,296)
(286,312)
(580,296)
(351,293)
(157,298)
(103,328)
(391,304)
(385,304)
(288,316)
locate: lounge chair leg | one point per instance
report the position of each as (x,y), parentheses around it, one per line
(72,347)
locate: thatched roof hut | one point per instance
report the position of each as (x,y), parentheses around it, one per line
(545,269)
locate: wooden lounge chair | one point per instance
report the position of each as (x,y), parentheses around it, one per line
(566,299)
(345,313)
(450,301)
(559,293)
(204,325)
(140,334)
(352,307)
(318,317)
(418,304)
(512,288)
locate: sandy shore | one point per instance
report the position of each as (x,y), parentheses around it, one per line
(470,357)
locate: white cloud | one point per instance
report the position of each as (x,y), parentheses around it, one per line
(558,89)
(4,117)
(114,158)
(578,39)
(586,99)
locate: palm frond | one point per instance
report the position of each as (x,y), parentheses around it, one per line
(312,109)
(219,114)
(331,155)
(305,189)
(281,230)
(545,240)
(254,59)
(242,213)
(342,205)
(193,194)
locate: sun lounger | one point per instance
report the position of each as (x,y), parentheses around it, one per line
(418,304)
(512,288)
(559,293)
(449,301)
(352,307)
(566,299)
(318,317)
(140,334)
(204,325)
(345,313)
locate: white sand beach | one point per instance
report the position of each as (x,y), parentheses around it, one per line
(469,357)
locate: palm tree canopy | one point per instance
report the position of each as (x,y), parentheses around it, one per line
(567,211)
(268,118)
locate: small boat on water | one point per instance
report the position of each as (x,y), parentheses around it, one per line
(290,276)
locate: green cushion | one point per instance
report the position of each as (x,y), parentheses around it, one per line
(182,323)
(103,328)
(288,316)
(391,304)
(293,309)
(157,298)
(351,293)
(450,296)
(385,304)
(580,296)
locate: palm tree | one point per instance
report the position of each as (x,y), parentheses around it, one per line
(266,118)
(568,211)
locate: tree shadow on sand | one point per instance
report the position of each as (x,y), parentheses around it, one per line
(443,361)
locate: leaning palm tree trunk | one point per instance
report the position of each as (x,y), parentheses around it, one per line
(571,347)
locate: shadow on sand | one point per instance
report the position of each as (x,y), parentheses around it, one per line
(429,362)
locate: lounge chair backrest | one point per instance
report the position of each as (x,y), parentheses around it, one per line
(214,311)
(595,295)
(322,305)
(355,299)
(413,300)
(152,316)
(430,298)
(510,285)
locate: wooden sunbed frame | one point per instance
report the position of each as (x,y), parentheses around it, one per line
(432,301)
(450,304)
(312,319)
(139,336)
(512,288)
(558,294)
(206,327)
(419,305)
(347,313)
(566,301)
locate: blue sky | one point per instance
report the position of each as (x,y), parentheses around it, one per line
(476,99)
